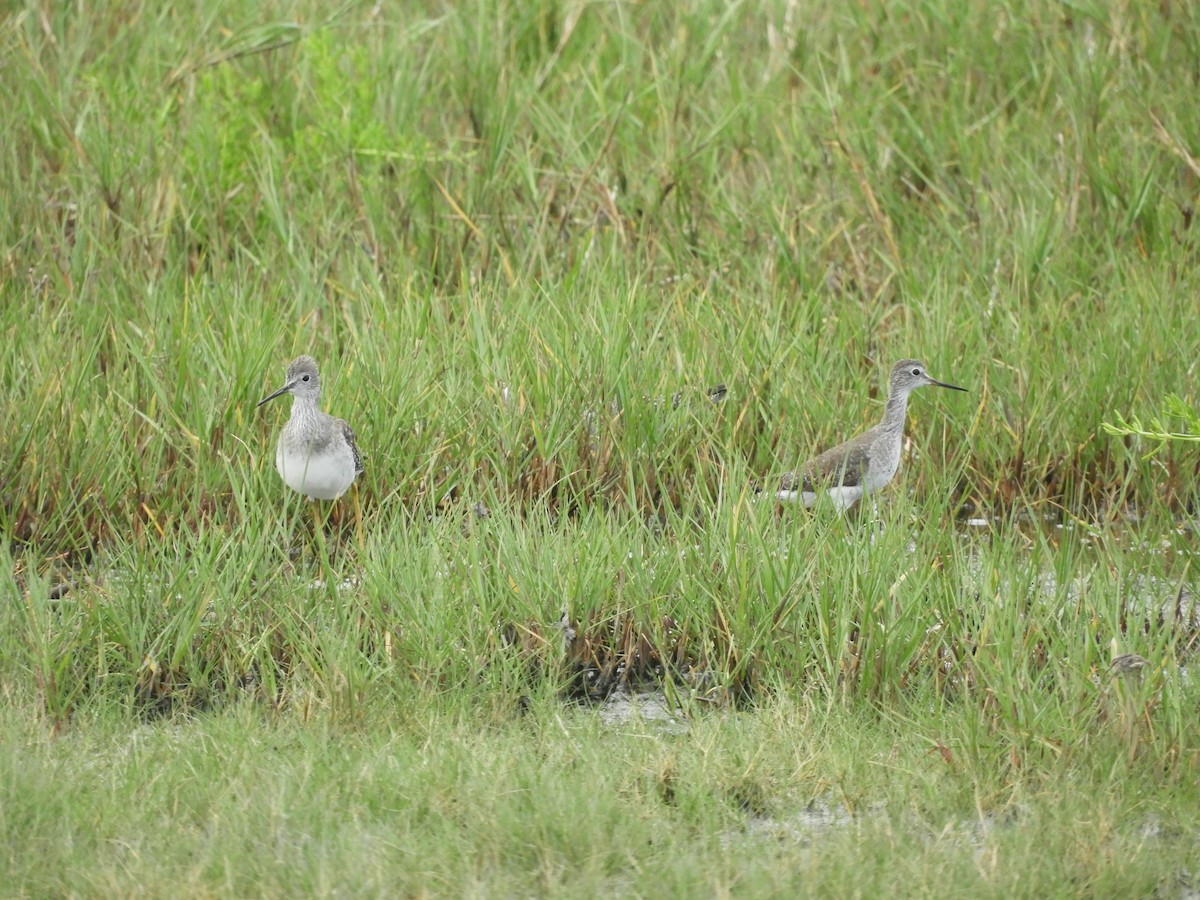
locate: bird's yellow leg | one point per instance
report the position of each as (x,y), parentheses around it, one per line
(358,529)
(319,529)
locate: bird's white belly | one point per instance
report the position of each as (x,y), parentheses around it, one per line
(842,497)
(322,476)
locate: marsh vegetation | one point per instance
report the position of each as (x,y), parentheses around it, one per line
(582,277)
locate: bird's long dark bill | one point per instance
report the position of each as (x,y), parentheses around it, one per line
(953,387)
(284,390)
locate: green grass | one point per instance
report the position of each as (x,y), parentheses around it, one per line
(476,801)
(524,241)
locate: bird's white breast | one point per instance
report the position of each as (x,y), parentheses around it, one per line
(323,476)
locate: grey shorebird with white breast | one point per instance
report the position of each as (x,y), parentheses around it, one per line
(864,464)
(316,454)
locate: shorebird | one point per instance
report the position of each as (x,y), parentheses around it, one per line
(316,454)
(864,464)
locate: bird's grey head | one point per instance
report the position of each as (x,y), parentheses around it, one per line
(301,381)
(910,374)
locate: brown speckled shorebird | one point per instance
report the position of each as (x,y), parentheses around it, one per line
(864,464)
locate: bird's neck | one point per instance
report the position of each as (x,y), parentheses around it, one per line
(895,411)
(305,410)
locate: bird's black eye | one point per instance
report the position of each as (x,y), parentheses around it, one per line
(916,371)
(305,378)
